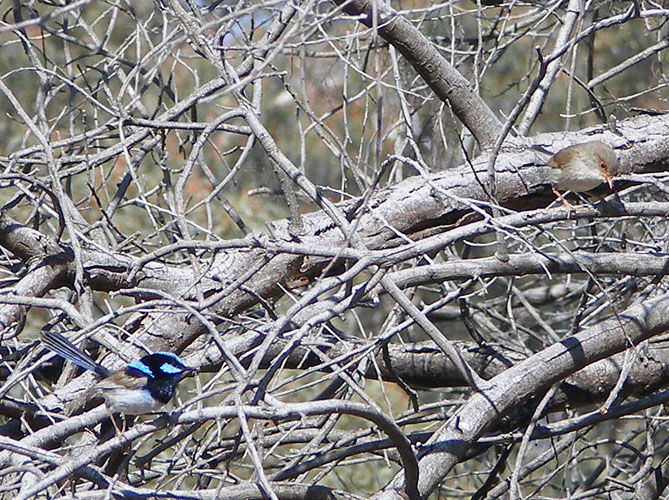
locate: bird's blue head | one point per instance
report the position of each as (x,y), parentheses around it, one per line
(161,365)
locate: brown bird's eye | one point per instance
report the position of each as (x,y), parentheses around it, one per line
(602,163)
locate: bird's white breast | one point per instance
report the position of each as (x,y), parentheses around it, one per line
(130,401)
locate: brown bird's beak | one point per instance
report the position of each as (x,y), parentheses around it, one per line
(607,175)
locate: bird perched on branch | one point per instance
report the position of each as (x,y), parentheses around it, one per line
(143,386)
(582,167)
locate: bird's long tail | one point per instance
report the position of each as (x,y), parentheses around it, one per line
(63,347)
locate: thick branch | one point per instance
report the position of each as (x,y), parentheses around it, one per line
(511,389)
(446,82)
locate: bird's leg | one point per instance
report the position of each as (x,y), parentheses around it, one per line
(113,420)
(567,205)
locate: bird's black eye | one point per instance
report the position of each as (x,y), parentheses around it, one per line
(602,163)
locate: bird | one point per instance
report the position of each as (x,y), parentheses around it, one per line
(582,167)
(143,386)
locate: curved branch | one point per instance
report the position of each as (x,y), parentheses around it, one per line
(294,411)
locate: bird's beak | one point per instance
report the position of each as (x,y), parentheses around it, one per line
(609,181)
(189,372)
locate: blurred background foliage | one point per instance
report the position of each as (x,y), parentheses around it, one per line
(132,58)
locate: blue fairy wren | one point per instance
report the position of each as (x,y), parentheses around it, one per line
(143,386)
